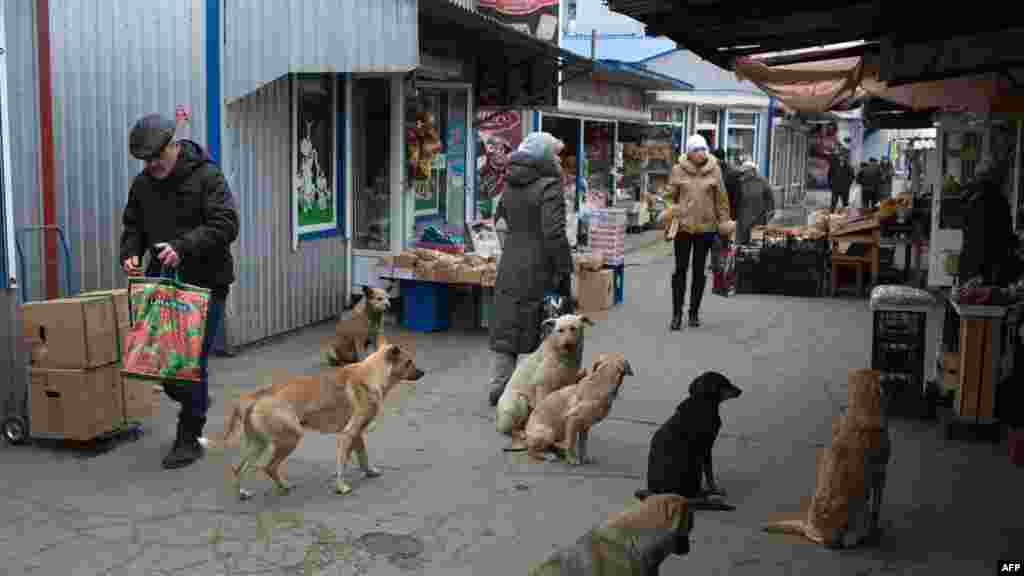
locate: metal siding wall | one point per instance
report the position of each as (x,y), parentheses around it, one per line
(23,130)
(267,39)
(114,61)
(277,290)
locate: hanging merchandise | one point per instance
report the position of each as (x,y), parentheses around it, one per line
(423,144)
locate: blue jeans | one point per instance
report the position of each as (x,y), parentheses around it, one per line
(195,397)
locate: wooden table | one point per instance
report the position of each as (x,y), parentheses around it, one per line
(865,232)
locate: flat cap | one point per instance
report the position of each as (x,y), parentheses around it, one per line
(149,136)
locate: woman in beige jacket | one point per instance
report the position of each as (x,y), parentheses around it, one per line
(699,204)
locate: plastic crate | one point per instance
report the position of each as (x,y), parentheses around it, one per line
(424,306)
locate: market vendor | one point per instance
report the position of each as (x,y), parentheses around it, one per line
(989,249)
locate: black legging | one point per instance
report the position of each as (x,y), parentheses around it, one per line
(684,244)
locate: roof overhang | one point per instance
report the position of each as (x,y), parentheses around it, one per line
(952,42)
(618,72)
(710,98)
(512,69)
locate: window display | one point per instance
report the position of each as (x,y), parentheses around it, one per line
(498,135)
(436,152)
(598,138)
(371,159)
(741,140)
(314,205)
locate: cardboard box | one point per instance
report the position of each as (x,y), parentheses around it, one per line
(406,260)
(123,316)
(72,333)
(75,404)
(140,399)
(595,290)
(470,275)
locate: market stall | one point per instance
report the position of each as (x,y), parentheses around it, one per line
(648,153)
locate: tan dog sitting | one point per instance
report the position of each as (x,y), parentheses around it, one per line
(363,326)
(343,401)
(633,542)
(553,365)
(847,500)
(563,420)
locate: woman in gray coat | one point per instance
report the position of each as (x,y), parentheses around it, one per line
(754,203)
(536,256)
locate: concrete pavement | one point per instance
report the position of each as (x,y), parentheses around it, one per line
(451,502)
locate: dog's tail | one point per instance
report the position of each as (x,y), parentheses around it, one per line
(798,527)
(232,434)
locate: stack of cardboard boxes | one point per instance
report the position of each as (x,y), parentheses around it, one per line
(76,391)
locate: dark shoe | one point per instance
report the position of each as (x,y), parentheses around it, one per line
(187,448)
(677,322)
(495,395)
(694,320)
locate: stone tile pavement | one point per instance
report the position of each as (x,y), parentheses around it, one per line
(451,502)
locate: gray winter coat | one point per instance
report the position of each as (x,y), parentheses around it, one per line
(536,255)
(755,200)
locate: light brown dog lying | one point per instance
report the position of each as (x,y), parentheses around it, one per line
(851,472)
(342,401)
(633,542)
(353,333)
(563,420)
(553,365)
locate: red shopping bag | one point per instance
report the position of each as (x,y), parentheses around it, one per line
(723,278)
(168,323)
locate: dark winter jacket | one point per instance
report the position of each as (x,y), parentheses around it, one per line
(840,176)
(731,176)
(536,256)
(194,211)
(754,203)
(988,239)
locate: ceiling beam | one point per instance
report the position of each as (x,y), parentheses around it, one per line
(958,56)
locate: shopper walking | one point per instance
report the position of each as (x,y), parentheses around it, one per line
(840,176)
(755,202)
(182,212)
(536,256)
(699,204)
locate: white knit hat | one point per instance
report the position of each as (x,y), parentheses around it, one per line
(696,142)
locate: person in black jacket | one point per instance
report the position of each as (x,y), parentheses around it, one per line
(182,212)
(840,178)
(535,258)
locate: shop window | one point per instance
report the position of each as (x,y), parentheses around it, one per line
(315,206)
(568,131)
(741,145)
(707,116)
(371,158)
(661,115)
(499,133)
(746,119)
(436,152)
(598,141)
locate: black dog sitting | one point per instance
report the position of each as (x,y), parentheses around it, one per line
(680,455)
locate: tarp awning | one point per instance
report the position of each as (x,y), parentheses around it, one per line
(824,85)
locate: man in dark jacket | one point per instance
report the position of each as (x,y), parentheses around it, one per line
(755,201)
(870,180)
(840,178)
(181,211)
(535,257)
(989,241)
(731,178)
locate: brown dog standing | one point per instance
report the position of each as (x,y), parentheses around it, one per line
(352,334)
(564,418)
(343,402)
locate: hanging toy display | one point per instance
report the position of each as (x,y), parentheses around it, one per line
(424,143)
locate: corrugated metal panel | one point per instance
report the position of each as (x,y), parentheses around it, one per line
(23,130)
(114,61)
(277,290)
(467,4)
(267,39)
(12,358)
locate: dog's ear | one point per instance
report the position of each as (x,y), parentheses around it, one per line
(628,370)
(394,352)
(549,322)
(367,290)
(597,363)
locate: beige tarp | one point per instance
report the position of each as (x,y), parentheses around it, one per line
(819,86)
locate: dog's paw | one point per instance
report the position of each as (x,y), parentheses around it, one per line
(341,487)
(244,494)
(371,472)
(573,459)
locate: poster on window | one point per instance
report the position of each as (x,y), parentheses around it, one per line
(538,18)
(821,144)
(498,134)
(315,208)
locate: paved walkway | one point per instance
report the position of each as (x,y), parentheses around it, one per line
(450,502)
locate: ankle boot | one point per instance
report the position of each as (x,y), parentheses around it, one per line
(186,449)
(694,321)
(678,286)
(677,321)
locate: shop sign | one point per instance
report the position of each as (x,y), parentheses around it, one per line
(538,18)
(498,134)
(600,93)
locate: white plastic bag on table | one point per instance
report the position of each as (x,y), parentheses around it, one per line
(856,193)
(896,295)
